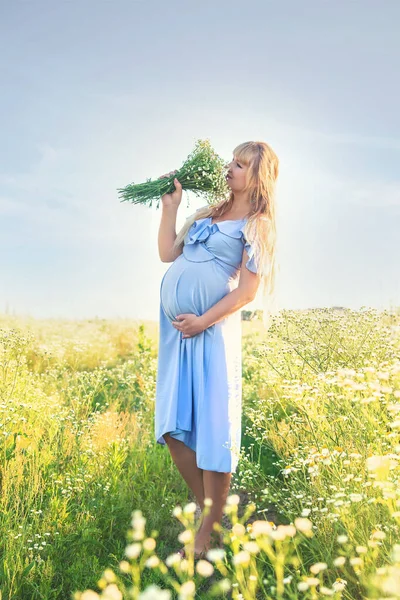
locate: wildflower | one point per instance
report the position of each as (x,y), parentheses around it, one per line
(152,561)
(313,581)
(111,592)
(233,499)
(261,528)
(361,549)
(153,592)
(339,561)
(378,535)
(90,595)
(303,525)
(326,591)
(356,497)
(124,566)
(224,585)
(149,544)
(342,539)
(251,547)
(242,558)
(208,501)
(204,568)
(339,585)
(187,589)
(138,521)
(185,536)
(283,531)
(356,561)
(216,554)
(109,575)
(190,508)
(177,511)
(302,586)
(173,559)
(318,567)
(238,529)
(133,550)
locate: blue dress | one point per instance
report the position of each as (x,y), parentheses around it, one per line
(199,379)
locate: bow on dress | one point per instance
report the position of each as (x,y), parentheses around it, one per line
(200,231)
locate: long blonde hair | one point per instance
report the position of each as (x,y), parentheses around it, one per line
(260,228)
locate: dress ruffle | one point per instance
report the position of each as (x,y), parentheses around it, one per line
(201,230)
(251,263)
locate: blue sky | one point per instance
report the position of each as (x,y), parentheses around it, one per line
(98,94)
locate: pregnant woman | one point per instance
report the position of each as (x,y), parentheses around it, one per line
(219,258)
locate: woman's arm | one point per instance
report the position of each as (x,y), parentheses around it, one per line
(167,234)
(167,229)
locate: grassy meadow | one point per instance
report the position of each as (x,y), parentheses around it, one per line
(91,507)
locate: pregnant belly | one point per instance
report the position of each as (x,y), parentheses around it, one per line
(192,287)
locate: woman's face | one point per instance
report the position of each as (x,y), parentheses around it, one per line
(236,176)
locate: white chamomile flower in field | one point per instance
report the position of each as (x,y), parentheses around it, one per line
(190,508)
(204,568)
(242,558)
(138,520)
(187,590)
(313,581)
(324,591)
(261,528)
(133,550)
(283,531)
(251,547)
(302,586)
(224,585)
(342,539)
(109,575)
(339,585)
(318,567)
(124,566)
(302,524)
(173,559)
(111,592)
(152,562)
(378,535)
(216,554)
(153,592)
(90,595)
(185,536)
(356,497)
(177,511)
(208,502)
(238,529)
(339,561)
(233,500)
(149,544)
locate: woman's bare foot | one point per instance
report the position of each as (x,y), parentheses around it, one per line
(205,540)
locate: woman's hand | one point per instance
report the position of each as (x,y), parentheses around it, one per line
(189,324)
(173,199)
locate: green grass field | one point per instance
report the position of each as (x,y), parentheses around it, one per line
(317,483)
